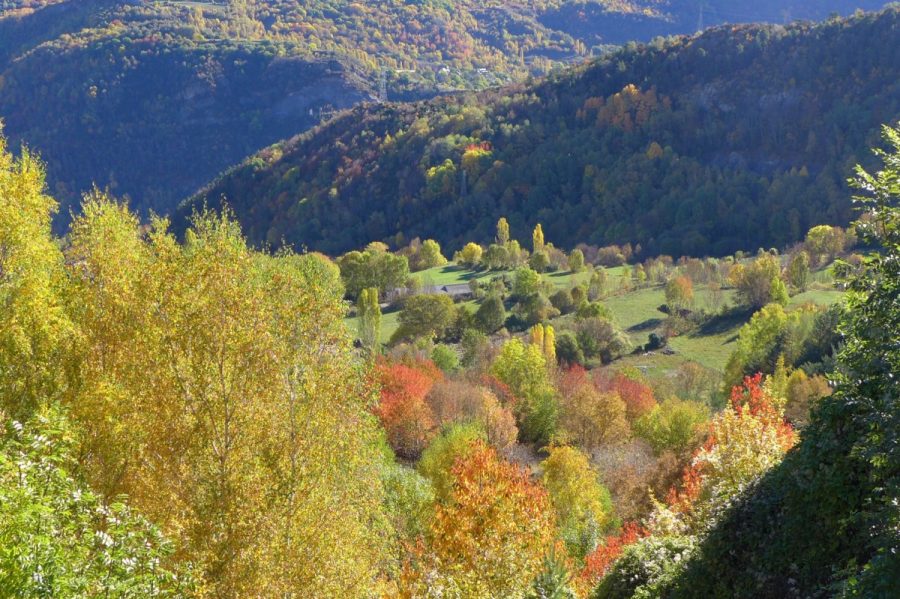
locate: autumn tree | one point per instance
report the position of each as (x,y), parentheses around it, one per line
(824,242)
(636,394)
(599,337)
(491,314)
(33,321)
(526,282)
(583,506)
(523,367)
(368,313)
(744,441)
(539,261)
(568,352)
(771,333)
(502,231)
(195,360)
(430,255)
(599,561)
(679,294)
(537,335)
(535,309)
(798,271)
(675,425)
(576,261)
(489,538)
(550,344)
(373,268)
(405,415)
(537,238)
(589,417)
(599,283)
(803,393)
(462,401)
(469,256)
(454,444)
(639,275)
(759,283)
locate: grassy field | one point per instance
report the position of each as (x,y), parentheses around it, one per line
(823,297)
(636,312)
(452,274)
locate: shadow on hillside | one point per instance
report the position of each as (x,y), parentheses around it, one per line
(723,323)
(647,325)
(469,274)
(778,538)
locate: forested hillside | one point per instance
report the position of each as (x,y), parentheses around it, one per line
(153,99)
(189,418)
(739,138)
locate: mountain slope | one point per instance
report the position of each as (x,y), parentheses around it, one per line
(172,92)
(108,95)
(738,138)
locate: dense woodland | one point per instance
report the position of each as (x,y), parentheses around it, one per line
(737,139)
(153,99)
(190,418)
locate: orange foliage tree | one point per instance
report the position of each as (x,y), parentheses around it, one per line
(402,410)
(638,397)
(489,539)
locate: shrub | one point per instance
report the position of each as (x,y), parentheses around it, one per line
(644,567)
(674,425)
(490,315)
(445,358)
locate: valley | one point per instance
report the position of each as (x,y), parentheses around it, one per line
(457,299)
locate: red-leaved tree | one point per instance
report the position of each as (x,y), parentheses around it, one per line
(403,411)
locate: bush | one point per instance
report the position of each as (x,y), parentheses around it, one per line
(644,567)
(562,301)
(674,425)
(445,358)
(59,538)
(568,352)
(491,315)
(655,341)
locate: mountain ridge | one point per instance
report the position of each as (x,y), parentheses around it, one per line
(395,49)
(684,146)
